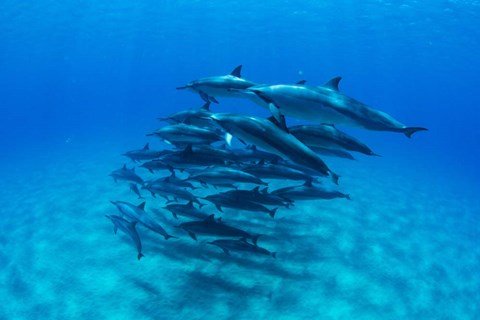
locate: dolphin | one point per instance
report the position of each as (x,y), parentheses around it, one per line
(225,200)
(255,195)
(222,175)
(163,188)
(326,104)
(275,171)
(126,174)
(182,134)
(240,245)
(211,226)
(251,153)
(139,214)
(186,210)
(173,179)
(308,191)
(219,86)
(155,165)
(328,136)
(266,134)
(128,228)
(333,153)
(144,154)
(192,157)
(196,117)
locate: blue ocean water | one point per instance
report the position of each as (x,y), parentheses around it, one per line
(82,82)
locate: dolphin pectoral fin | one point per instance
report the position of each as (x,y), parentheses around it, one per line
(226,252)
(213,99)
(409,131)
(204,96)
(182,87)
(228,139)
(277,118)
(115,229)
(275,110)
(192,235)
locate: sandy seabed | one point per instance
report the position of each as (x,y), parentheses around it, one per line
(405,247)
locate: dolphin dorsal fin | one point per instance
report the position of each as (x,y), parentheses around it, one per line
(210,218)
(243,239)
(332,84)
(261,162)
(302,82)
(124,167)
(256,189)
(264,190)
(237,72)
(172,175)
(190,203)
(308,183)
(141,206)
(206,106)
(252,147)
(147,146)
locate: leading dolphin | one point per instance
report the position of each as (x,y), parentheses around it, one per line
(219,86)
(266,134)
(326,104)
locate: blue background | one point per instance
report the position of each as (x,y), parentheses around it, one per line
(83,81)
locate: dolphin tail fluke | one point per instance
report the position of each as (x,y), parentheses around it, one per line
(409,131)
(255,238)
(140,255)
(335,177)
(274,255)
(347,196)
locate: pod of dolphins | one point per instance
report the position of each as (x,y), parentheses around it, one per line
(201,158)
